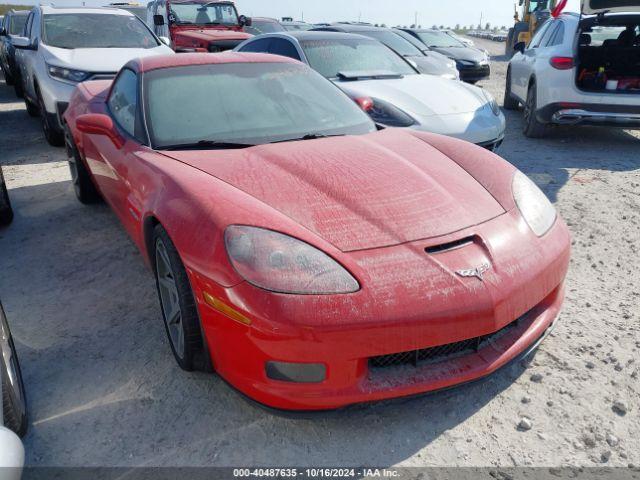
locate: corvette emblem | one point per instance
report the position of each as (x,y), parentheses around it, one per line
(476,272)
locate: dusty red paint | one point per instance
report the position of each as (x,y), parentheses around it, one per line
(375,203)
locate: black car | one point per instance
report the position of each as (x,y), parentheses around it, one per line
(12,26)
(6,213)
(260,25)
(14,404)
(428,62)
(473,64)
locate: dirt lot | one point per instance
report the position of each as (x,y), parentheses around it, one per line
(104,389)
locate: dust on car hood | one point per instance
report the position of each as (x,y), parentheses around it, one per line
(100,60)
(357,192)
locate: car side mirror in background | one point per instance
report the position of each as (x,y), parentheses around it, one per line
(245,21)
(158,20)
(520,47)
(99,124)
(23,43)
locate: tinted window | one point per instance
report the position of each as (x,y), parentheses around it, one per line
(283,47)
(17,24)
(95,30)
(537,38)
(28,25)
(394,42)
(411,39)
(331,57)
(186,13)
(258,46)
(557,35)
(251,103)
(123,101)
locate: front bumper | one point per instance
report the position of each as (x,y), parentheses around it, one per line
(481,127)
(474,73)
(622,116)
(418,303)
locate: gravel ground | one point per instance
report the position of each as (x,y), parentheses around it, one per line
(104,389)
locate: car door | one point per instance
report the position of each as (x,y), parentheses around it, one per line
(26,58)
(523,64)
(112,165)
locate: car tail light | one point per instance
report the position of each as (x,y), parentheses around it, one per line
(562,63)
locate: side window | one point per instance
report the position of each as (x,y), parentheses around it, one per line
(123,101)
(284,48)
(537,38)
(259,46)
(558,35)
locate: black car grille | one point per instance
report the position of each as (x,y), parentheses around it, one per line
(439,353)
(475,71)
(223,45)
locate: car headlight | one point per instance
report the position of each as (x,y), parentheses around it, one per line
(389,115)
(67,74)
(280,263)
(535,207)
(495,108)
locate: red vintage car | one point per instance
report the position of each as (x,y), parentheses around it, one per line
(311,258)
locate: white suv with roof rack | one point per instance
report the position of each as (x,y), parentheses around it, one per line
(580,69)
(65,46)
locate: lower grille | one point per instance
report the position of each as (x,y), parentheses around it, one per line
(440,353)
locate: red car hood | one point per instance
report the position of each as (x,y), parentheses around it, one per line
(208,35)
(357,192)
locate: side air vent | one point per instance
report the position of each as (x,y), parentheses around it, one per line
(445,247)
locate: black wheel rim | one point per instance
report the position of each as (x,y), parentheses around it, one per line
(73,164)
(169,299)
(12,368)
(528,108)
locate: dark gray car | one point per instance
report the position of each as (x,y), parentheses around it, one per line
(427,62)
(472,63)
(11,26)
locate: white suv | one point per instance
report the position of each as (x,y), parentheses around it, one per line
(580,69)
(65,46)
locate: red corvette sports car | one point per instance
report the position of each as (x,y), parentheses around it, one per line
(309,257)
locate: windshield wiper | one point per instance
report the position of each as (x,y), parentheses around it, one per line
(310,136)
(206,144)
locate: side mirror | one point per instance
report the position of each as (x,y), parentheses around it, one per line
(3,32)
(158,20)
(245,21)
(99,124)
(166,41)
(23,43)
(520,47)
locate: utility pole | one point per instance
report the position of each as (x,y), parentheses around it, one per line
(481,15)
(416,20)
(359,17)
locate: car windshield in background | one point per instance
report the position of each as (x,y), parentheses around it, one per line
(439,40)
(140,12)
(297,27)
(394,42)
(202,14)
(96,30)
(411,39)
(258,27)
(17,24)
(246,103)
(330,57)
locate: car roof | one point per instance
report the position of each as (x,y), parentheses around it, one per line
(51,10)
(18,12)
(191,59)
(351,28)
(265,19)
(317,35)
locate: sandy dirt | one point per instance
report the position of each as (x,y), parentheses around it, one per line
(104,389)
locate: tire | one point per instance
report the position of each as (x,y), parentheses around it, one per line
(179,311)
(32,109)
(8,79)
(510,103)
(52,132)
(84,188)
(6,212)
(532,127)
(508,49)
(17,86)
(14,400)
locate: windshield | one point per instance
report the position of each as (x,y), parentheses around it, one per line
(17,24)
(258,27)
(411,39)
(331,57)
(249,103)
(203,14)
(393,41)
(96,30)
(538,5)
(297,27)
(439,40)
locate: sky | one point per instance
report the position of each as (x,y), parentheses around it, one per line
(390,12)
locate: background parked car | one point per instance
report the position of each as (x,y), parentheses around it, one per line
(428,62)
(472,63)
(260,25)
(199,25)
(592,81)
(6,212)
(389,88)
(137,9)
(12,26)
(65,46)
(466,41)
(13,415)
(295,25)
